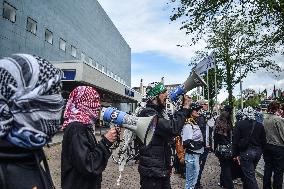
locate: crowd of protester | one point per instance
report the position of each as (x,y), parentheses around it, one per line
(238,146)
(31,105)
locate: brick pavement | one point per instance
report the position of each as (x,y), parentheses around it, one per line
(130,179)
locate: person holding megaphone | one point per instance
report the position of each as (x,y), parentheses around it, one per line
(83,159)
(154,162)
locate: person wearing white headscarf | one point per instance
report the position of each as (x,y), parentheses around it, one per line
(30,111)
(248,143)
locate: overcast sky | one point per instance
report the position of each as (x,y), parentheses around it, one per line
(153,39)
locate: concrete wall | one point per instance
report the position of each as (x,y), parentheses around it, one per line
(87,73)
(83,24)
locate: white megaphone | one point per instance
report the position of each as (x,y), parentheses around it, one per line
(191,82)
(144,127)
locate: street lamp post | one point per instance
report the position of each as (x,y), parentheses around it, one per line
(241,87)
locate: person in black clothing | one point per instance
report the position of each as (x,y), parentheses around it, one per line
(83,159)
(30,110)
(207,137)
(248,143)
(154,163)
(222,136)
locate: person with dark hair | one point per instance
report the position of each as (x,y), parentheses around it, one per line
(83,159)
(155,158)
(30,111)
(223,137)
(273,154)
(206,130)
(193,142)
(248,143)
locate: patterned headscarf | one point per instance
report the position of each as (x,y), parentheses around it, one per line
(30,100)
(83,106)
(154,89)
(247,113)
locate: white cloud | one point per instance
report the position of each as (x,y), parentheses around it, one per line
(146,27)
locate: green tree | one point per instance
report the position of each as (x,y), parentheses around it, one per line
(265,15)
(253,101)
(237,46)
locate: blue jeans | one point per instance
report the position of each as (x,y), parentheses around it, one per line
(192,170)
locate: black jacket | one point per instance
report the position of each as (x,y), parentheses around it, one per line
(83,159)
(242,130)
(221,139)
(20,168)
(202,123)
(155,158)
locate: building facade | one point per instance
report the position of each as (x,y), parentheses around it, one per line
(78,37)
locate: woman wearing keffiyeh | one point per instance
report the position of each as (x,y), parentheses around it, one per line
(83,159)
(248,143)
(30,110)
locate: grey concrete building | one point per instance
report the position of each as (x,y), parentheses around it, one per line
(78,37)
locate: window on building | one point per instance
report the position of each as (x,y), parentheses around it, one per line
(94,63)
(62,44)
(98,65)
(31,25)
(83,56)
(73,51)
(48,36)
(9,12)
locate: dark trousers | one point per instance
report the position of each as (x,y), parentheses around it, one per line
(226,173)
(274,163)
(155,183)
(249,160)
(202,161)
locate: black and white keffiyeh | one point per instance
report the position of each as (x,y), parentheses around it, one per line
(30,100)
(247,113)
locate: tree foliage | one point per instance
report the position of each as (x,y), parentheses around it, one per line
(264,15)
(240,47)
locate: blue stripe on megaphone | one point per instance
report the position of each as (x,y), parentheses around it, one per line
(113,115)
(175,93)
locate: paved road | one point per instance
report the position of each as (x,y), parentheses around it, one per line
(130,178)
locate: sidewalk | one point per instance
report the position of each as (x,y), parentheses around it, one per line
(130,176)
